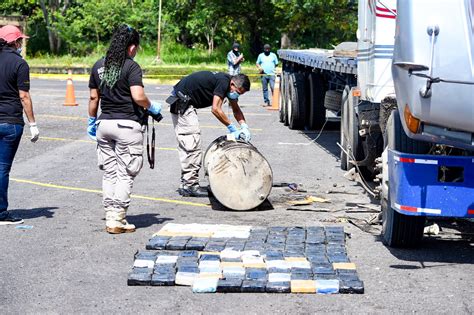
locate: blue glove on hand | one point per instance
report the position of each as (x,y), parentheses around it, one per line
(155,108)
(92,128)
(234,131)
(244,132)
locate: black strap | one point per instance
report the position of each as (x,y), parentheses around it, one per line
(150,150)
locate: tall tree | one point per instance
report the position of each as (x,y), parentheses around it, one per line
(254,20)
(86,25)
(176,14)
(51,10)
(205,20)
(83,25)
(316,23)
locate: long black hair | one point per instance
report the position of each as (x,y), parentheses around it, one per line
(124,36)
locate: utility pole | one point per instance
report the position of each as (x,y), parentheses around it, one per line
(158,45)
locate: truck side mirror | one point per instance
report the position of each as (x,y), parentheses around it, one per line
(411,66)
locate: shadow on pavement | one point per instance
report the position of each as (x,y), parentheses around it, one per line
(327,140)
(46,212)
(454,245)
(216,205)
(146,220)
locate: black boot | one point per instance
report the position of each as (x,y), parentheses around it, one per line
(193,191)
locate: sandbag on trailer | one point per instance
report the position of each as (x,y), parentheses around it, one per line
(239,175)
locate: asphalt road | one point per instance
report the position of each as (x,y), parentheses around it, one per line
(67,264)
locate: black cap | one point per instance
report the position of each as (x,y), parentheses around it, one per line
(266,47)
(236,45)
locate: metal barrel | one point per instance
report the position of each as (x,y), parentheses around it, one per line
(239,175)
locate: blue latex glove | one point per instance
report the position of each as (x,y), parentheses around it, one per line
(92,128)
(155,108)
(234,131)
(244,132)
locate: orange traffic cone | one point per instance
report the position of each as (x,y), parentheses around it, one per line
(70,97)
(276,94)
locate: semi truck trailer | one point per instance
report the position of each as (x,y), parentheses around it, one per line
(404,96)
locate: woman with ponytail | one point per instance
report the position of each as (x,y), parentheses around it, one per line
(116,84)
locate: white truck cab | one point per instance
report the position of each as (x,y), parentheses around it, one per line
(405,101)
(434,70)
(375,42)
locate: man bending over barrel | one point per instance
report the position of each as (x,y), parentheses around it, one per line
(198,90)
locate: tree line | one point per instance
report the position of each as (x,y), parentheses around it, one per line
(84,26)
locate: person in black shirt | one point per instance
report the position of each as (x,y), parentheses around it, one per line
(116,82)
(14,99)
(198,90)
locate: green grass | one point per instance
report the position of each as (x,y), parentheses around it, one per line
(65,61)
(147,62)
(177,61)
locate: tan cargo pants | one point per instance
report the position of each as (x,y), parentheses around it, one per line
(188,136)
(120,156)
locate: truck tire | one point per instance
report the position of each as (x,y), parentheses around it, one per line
(333,100)
(284,98)
(343,156)
(350,139)
(343,134)
(288,100)
(296,108)
(317,111)
(399,230)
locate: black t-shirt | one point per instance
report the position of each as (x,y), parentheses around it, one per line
(117,102)
(14,76)
(201,86)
